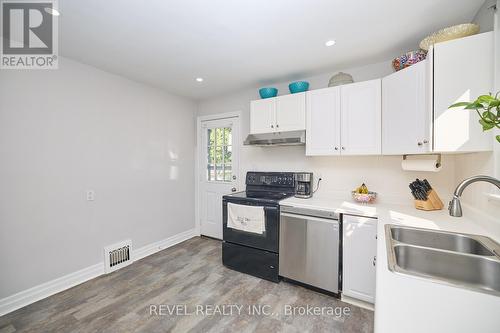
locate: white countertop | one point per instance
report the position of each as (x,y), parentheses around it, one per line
(410,304)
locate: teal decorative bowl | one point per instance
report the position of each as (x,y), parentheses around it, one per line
(268,92)
(298,86)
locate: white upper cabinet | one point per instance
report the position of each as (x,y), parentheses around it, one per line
(323,122)
(263,115)
(406,123)
(361,118)
(463,70)
(344,120)
(278,114)
(291,112)
(406,112)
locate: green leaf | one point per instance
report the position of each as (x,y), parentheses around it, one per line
(498,138)
(490,116)
(485,99)
(487,125)
(474,106)
(458,104)
(495,103)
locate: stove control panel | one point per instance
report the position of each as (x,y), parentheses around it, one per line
(271,179)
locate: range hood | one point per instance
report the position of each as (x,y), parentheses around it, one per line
(291,138)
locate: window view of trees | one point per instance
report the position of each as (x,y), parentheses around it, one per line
(219,154)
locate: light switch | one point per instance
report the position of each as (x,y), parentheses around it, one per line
(90,195)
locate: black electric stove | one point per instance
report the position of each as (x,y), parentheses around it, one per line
(257,254)
(258,196)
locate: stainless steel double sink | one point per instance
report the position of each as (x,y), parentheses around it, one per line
(461,260)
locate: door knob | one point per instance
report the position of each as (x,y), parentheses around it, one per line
(233,189)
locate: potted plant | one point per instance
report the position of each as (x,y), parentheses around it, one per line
(488,109)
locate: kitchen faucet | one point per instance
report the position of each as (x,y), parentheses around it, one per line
(455,207)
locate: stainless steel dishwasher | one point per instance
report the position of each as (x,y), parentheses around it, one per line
(309,247)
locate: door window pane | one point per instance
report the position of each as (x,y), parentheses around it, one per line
(228,173)
(228,138)
(219,154)
(228,154)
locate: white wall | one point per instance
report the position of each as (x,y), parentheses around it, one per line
(487,163)
(485,16)
(340,175)
(77,128)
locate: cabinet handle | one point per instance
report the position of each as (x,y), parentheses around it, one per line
(336,148)
(374,260)
(343,148)
(272,126)
(277,125)
(426,141)
(419,144)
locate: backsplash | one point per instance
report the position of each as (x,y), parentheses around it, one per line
(340,175)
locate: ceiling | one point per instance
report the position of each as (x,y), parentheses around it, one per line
(238,44)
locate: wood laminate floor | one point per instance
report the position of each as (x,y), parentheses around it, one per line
(190,275)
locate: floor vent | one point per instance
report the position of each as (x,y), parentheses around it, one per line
(117,256)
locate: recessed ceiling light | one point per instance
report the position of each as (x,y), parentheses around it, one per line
(330,43)
(52,11)
(199,79)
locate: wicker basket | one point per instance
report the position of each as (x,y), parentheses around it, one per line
(454,32)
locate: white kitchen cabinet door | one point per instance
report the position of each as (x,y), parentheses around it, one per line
(361,118)
(463,70)
(359,237)
(323,122)
(263,116)
(406,116)
(291,112)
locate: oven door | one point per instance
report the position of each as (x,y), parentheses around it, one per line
(265,241)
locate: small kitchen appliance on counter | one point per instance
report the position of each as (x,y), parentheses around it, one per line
(303,185)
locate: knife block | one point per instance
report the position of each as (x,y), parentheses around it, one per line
(433,202)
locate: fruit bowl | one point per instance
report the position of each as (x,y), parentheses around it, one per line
(364,197)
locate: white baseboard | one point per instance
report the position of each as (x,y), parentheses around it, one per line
(163,244)
(44,290)
(25,297)
(358,302)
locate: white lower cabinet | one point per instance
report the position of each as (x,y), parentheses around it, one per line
(359,255)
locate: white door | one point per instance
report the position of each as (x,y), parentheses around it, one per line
(323,122)
(291,112)
(361,132)
(218,171)
(406,116)
(263,116)
(359,257)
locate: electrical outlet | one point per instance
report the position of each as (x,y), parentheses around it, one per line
(90,195)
